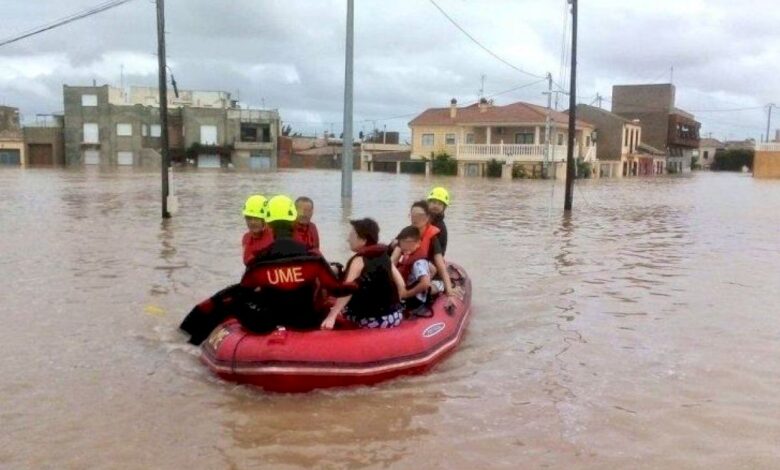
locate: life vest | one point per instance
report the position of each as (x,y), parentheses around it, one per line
(377,293)
(407,261)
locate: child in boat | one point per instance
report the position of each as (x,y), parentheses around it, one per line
(304,229)
(376,303)
(429,249)
(417,272)
(259,236)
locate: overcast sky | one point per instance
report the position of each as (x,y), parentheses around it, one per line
(408,56)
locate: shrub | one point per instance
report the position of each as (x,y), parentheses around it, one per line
(494,168)
(519,172)
(443,164)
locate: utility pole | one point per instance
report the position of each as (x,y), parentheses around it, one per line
(547,137)
(163,80)
(482,87)
(599,99)
(768,120)
(572,111)
(346,154)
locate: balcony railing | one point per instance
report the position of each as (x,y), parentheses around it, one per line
(511,152)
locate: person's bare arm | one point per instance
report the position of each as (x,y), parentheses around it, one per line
(354,271)
(399,283)
(441,267)
(395,255)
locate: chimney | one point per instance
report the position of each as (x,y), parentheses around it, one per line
(483,105)
(453,108)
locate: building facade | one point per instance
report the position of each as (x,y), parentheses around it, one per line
(12,150)
(707,149)
(513,134)
(664,126)
(621,151)
(110,126)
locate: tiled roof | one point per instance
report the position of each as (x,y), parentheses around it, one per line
(711,143)
(512,114)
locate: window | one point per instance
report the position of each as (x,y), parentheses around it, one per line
(524,138)
(208,135)
(449,139)
(625,139)
(706,154)
(124,158)
(470,138)
(587,141)
(560,139)
(144,130)
(88,100)
(124,129)
(427,140)
(91,133)
(155,130)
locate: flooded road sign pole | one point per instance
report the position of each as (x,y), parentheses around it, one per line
(346,141)
(165,160)
(572,111)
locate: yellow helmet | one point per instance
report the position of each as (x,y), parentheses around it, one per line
(255,206)
(280,208)
(440,194)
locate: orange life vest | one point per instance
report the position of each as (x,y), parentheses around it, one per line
(407,261)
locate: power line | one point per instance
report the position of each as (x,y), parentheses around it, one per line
(482,46)
(63,21)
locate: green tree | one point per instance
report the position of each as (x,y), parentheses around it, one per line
(733,160)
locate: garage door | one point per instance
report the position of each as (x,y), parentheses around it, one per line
(10,157)
(208,161)
(40,154)
(91,157)
(124,158)
(260,162)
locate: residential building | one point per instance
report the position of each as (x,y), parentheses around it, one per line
(707,149)
(513,134)
(387,157)
(747,144)
(112,126)
(315,152)
(664,126)
(12,151)
(621,151)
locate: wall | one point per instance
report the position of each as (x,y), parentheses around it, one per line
(420,151)
(75,117)
(766,164)
(658,98)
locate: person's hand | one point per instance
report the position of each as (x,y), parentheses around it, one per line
(329,321)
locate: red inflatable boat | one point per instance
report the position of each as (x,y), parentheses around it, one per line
(298,361)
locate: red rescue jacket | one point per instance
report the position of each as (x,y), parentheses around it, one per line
(308,235)
(254,244)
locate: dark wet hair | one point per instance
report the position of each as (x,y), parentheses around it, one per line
(422,204)
(409,233)
(304,199)
(367,229)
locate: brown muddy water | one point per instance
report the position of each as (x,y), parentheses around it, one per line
(642,332)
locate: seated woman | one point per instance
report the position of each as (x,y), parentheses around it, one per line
(376,304)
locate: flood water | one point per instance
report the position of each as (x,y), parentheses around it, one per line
(642,332)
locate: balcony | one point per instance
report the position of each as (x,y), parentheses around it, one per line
(516,152)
